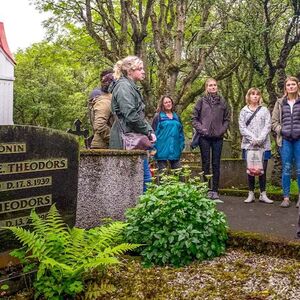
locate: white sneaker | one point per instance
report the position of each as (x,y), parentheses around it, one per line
(264,198)
(251,197)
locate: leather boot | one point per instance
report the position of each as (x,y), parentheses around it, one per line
(264,198)
(251,197)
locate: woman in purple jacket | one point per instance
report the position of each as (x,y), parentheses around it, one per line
(211,119)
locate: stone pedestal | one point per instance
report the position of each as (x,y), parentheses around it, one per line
(110,181)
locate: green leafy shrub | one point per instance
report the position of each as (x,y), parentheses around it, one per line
(177,223)
(67,258)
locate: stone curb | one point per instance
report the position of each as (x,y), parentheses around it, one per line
(264,244)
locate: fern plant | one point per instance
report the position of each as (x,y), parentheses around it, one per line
(66,256)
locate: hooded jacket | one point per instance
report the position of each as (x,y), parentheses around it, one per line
(211,117)
(102,120)
(127,104)
(170,137)
(258,129)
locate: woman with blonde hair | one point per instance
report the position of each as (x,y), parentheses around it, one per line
(286,124)
(211,119)
(128,105)
(255,126)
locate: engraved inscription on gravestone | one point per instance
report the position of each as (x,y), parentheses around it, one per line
(38,167)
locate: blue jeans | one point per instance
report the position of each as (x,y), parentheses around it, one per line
(290,152)
(147,174)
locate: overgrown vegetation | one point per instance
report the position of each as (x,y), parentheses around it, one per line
(236,275)
(177,223)
(70,261)
(294,188)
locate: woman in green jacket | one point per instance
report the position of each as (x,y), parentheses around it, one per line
(128,106)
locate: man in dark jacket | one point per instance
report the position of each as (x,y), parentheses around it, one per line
(211,119)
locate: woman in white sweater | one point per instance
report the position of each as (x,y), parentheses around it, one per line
(255,135)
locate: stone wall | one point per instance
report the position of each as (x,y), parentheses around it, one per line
(109,182)
(232,171)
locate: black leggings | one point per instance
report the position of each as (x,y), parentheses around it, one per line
(211,149)
(262,179)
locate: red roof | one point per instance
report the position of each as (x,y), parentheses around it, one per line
(3,43)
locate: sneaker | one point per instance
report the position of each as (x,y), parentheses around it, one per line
(285,203)
(251,197)
(209,194)
(215,196)
(298,202)
(264,198)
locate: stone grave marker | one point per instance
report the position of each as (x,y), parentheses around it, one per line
(38,167)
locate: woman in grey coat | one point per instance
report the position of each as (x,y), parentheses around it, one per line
(255,135)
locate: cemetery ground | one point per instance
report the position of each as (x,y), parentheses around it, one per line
(173,223)
(267,272)
(237,275)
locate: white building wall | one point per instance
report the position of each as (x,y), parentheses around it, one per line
(6,89)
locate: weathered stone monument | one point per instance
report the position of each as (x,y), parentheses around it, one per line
(110,181)
(38,167)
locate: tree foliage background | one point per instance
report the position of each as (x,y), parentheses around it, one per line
(182,42)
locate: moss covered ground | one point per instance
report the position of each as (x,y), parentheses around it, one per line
(237,275)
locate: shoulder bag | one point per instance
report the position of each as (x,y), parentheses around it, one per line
(133,140)
(252,116)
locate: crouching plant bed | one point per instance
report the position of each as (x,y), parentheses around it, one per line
(177,223)
(69,261)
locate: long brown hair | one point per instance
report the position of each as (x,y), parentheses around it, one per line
(160,105)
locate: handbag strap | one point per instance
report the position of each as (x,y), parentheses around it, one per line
(252,116)
(118,119)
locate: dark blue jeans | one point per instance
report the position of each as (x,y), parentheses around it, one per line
(147,174)
(211,147)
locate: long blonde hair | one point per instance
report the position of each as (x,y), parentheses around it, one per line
(124,65)
(206,84)
(295,79)
(251,91)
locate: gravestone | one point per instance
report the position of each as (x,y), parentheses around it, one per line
(38,167)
